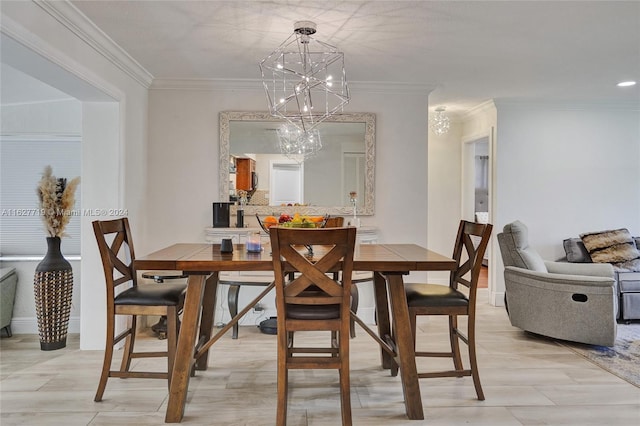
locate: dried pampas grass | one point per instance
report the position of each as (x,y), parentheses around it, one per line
(57,198)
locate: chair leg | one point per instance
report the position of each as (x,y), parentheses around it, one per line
(355,300)
(345,381)
(106,363)
(471,336)
(283,379)
(455,342)
(172,339)
(129,344)
(414,328)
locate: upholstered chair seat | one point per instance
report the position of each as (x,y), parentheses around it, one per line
(152,295)
(434,295)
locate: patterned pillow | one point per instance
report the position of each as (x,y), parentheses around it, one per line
(612,246)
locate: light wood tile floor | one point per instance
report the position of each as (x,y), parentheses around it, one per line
(527,380)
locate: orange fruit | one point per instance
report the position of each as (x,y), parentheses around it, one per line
(270,221)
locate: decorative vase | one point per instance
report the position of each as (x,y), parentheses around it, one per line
(53,288)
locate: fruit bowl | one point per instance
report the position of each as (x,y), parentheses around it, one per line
(295,221)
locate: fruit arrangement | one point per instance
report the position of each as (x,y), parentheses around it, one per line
(295,221)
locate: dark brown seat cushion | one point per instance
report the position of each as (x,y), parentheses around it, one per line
(433,295)
(309,312)
(152,295)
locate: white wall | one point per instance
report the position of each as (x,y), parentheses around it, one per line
(183,160)
(444,192)
(36,42)
(564,170)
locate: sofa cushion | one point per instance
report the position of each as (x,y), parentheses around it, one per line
(611,246)
(576,251)
(632,265)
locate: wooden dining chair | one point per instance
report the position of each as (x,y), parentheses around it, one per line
(334,222)
(456,299)
(337,222)
(126,297)
(313,301)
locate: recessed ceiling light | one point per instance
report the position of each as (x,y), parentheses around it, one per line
(626,83)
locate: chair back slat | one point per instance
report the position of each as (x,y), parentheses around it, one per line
(333,251)
(471,244)
(118,255)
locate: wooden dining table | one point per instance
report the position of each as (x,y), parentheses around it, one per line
(202,263)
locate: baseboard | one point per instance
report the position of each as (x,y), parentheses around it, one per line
(497,298)
(29,325)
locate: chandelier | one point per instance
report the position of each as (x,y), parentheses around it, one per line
(439,122)
(297,144)
(304,79)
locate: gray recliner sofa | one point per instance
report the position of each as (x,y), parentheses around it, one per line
(575,302)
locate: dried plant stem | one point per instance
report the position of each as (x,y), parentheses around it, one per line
(57,199)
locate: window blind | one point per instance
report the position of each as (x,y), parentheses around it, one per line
(22,161)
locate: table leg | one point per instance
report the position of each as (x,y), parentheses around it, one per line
(382,317)
(208,312)
(185,350)
(404,346)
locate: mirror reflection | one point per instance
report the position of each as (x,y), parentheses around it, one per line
(322,184)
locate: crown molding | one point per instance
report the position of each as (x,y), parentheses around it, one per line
(206,84)
(20,35)
(480,108)
(566,105)
(78,23)
(393,87)
(256,84)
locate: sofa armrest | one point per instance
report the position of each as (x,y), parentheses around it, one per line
(573,283)
(583,269)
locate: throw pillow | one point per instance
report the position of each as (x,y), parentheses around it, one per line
(611,246)
(576,251)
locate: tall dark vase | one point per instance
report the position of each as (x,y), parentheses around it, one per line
(53,288)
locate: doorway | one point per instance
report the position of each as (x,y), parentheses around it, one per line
(476,189)
(286,182)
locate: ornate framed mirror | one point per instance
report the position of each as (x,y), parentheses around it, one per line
(322,184)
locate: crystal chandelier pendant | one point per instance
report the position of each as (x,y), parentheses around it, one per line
(439,122)
(297,144)
(304,79)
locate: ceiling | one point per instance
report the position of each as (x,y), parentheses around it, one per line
(470,51)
